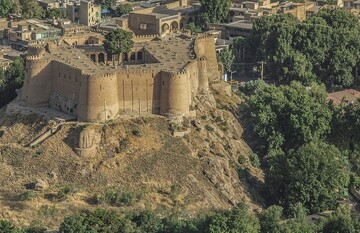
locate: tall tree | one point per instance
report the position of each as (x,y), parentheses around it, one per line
(31,9)
(289,115)
(226,57)
(324,48)
(214,11)
(12,79)
(314,175)
(123,9)
(6,7)
(118,41)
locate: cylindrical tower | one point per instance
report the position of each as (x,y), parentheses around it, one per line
(203,75)
(38,80)
(177,99)
(98,101)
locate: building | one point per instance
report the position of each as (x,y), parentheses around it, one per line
(86,13)
(161,20)
(156,77)
(19,34)
(346,96)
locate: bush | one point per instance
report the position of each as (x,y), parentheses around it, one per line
(27,195)
(254,159)
(8,227)
(209,128)
(35,227)
(118,198)
(63,193)
(136,132)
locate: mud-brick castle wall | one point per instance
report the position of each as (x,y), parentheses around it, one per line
(37,83)
(66,84)
(138,91)
(204,46)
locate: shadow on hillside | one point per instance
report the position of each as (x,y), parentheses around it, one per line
(72,137)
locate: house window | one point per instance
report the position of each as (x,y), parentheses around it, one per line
(139,55)
(132,56)
(143,26)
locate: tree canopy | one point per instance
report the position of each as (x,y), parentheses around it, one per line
(226,57)
(288,116)
(123,9)
(214,11)
(118,41)
(7,7)
(31,9)
(10,80)
(324,48)
(314,175)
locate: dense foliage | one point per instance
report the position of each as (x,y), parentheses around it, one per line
(314,175)
(123,9)
(7,7)
(10,80)
(31,9)
(285,117)
(214,11)
(324,48)
(55,14)
(237,220)
(118,41)
(226,57)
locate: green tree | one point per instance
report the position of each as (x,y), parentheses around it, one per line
(339,222)
(55,14)
(97,221)
(193,28)
(148,222)
(11,80)
(324,48)
(298,222)
(226,57)
(7,7)
(238,220)
(214,11)
(313,175)
(8,227)
(123,9)
(105,3)
(31,9)
(118,41)
(270,219)
(288,116)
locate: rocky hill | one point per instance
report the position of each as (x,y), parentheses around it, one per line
(184,165)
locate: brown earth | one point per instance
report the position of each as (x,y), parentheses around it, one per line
(188,174)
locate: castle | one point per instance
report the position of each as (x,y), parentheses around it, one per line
(157,77)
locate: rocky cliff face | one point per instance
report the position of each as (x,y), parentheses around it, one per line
(204,166)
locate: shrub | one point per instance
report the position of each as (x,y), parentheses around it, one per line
(118,198)
(136,132)
(27,195)
(209,128)
(254,159)
(63,193)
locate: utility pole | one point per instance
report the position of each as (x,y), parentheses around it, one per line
(105,110)
(139,107)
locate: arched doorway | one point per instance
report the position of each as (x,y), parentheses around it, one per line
(182,23)
(174,26)
(165,27)
(101,58)
(93,57)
